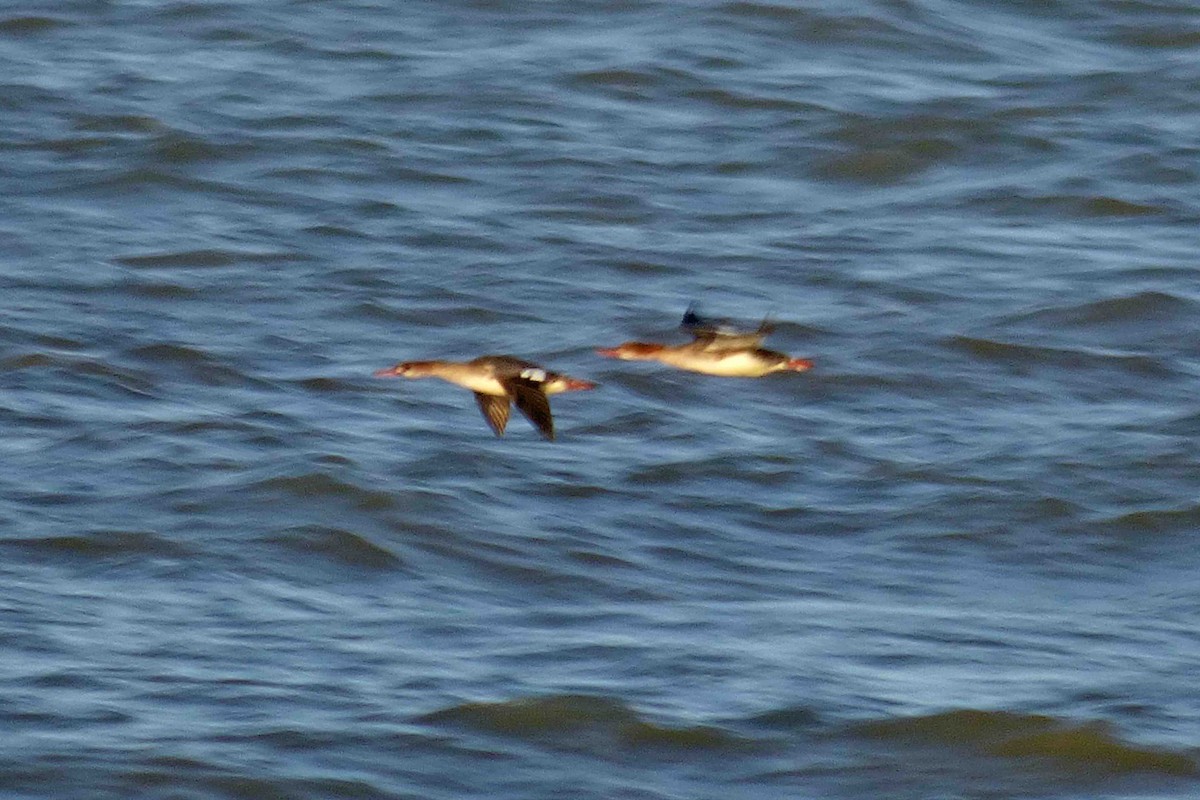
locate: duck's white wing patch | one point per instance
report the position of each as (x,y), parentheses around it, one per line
(534,374)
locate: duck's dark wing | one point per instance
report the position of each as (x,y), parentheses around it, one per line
(692,321)
(495,410)
(532,402)
(720,335)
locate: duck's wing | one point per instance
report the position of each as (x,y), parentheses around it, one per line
(720,335)
(531,401)
(730,341)
(692,321)
(495,410)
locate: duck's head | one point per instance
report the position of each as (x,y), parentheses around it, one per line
(632,351)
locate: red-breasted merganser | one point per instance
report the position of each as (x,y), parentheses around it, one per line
(498,381)
(715,349)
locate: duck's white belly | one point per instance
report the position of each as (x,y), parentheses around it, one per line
(726,364)
(740,365)
(484,384)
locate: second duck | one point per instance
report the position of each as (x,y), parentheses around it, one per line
(715,349)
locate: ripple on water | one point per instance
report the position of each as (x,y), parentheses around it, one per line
(337,544)
(1158,521)
(197,363)
(30,25)
(582,722)
(1149,308)
(130,382)
(1037,355)
(1072,206)
(205,258)
(103,545)
(312,485)
(1019,735)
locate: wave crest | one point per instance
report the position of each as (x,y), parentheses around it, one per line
(571,719)
(1011,734)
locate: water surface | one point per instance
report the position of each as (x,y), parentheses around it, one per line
(954,560)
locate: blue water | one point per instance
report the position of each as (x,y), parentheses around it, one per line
(955,560)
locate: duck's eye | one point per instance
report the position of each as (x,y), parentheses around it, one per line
(534,374)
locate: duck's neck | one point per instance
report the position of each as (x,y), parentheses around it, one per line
(433,369)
